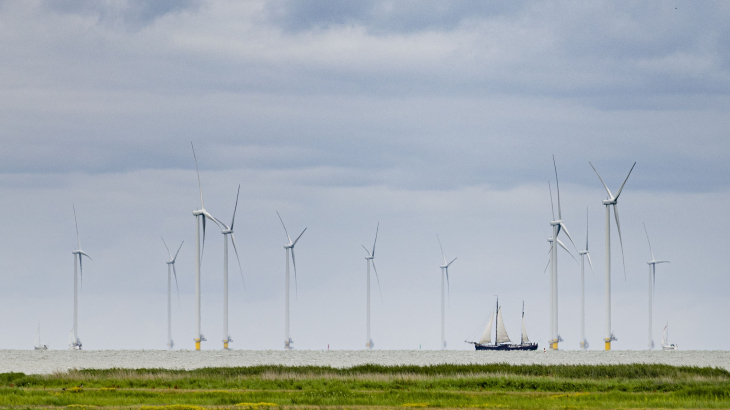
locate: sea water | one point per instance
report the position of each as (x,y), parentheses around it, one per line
(49,361)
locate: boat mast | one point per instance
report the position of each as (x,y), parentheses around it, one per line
(522,339)
(496,328)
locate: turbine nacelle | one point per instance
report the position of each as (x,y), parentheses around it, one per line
(199,212)
(610,201)
(554,223)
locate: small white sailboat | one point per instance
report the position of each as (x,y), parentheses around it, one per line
(665,336)
(72,345)
(38,345)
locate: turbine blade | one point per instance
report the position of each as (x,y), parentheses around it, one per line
(178,251)
(610,195)
(168,249)
(200,187)
(76,221)
(449,264)
(565,229)
(202,249)
(647,239)
(174,273)
(557,187)
(282,224)
(442,248)
(84,253)
(376,239)
(448,285)
(366,250)
(215,220)
(378,279)
(233,240)
(233,220)
(586,229)
(294,262)
(618,226)
(552,208)
(81,271)
(627,178)
(548,264)
(300,235)
(590,263)
(566,250)
(662,262)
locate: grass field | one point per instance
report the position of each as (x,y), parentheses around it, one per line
(444,386)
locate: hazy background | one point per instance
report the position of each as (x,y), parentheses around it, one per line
(425,116)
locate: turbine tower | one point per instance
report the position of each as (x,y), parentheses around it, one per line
(228,231)
(611,201)
(558,226)
(444,273)
(200,217)
(78,270)
(371,259)
(652,279)
(170,273)
(288,248)
(583,254)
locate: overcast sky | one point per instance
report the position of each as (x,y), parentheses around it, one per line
(424,116)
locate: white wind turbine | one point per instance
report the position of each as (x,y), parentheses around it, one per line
(287,249)
(78,270)
(371,258)
(652,279)
(583,254)
(200,216)
(558,226)
(444,273)
(228,231)
(171,272)
(612,200)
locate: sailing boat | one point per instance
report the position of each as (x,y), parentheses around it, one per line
(501,338)
(665,344)
(38,345)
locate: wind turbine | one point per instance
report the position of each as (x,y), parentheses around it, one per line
(200,216)
(652,279)
(78,270)
(371,258)
(170,272)
(287,249)
(558,226)
(611,201)
(583,254)
(228,231)
(444,273)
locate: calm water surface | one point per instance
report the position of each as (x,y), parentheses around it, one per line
(30,361)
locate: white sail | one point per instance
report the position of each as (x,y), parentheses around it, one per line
(664,335)
(525,339)
(502,336)
(487,335)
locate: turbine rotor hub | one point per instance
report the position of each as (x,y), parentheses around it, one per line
(609,202)
(199,212)
(558,222)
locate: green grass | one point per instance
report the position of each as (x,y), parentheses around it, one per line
(446,386)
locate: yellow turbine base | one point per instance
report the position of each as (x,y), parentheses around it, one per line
(225,345)
(554,345)
(608,345)
(197,345)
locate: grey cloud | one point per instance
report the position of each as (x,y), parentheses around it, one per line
(383,16)
(133,13)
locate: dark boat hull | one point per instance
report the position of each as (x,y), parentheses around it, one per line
(507,347)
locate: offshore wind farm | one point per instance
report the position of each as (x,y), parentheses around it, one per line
(495,319)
